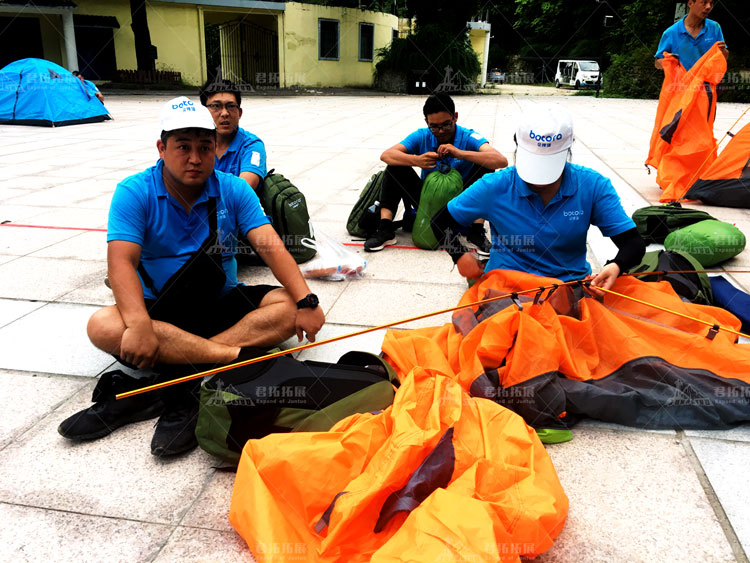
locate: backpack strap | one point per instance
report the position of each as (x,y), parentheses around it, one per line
(364,359)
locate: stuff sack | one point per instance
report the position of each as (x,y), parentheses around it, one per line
(287,208)
(365,215)
(438,189)
(655,222)
(728,297)
(710,242)
(694,287)
(287,395)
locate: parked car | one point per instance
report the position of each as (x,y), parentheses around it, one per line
(496,75)
(577,73)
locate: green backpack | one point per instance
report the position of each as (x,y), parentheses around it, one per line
(710,242)
(287,208)
(287,395)
(365,214)
(692,287)
(654,223)
(438,189)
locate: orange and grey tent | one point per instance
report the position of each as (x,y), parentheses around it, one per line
(682,142)
(438,476)
(727,181)
(559,358)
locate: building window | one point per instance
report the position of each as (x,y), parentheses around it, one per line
(395,35)
(328,39)
(366,41)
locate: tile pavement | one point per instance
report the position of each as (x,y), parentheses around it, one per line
(635,495)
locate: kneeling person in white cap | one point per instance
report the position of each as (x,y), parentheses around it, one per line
(540,209)
(172,234)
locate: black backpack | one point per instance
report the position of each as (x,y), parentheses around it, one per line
(287,208)
(287,395)
(365,215)
(693,287)
(655,222)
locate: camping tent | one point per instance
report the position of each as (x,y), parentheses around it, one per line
(727,181)
(39,92)
(682,141)
(566,356)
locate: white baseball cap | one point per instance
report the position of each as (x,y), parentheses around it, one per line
(182,113)
(544,135)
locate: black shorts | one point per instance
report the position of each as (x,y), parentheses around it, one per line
(227,312)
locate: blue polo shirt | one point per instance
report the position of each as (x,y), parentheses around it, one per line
(549,240)
(422,141)
(143,212)
(678,41)
(246,153)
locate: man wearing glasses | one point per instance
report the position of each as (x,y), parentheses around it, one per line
(238,152)
(464,149)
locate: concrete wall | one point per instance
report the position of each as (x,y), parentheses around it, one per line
(123,37)
(298,58)
(177,32)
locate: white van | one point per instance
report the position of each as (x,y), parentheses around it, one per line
(576,73)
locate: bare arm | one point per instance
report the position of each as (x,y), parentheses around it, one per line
(139,345)
(486,157)
(251,178)
(397,156)
(269,246)
(724,50)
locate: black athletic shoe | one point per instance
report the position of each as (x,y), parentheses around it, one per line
(175,431)
(107,416)
(478,240)
(380,240)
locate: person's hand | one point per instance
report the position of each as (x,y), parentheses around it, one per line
(605,279)
(469,267)
(139,345)
(427,160)
(448,150)
(722,45)
(308,322)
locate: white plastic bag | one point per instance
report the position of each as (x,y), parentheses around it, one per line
(333,260)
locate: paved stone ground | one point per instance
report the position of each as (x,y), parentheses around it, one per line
(635,495)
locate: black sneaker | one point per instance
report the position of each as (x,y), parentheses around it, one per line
(107,416)
(478,239)
(380,240)
(175,431)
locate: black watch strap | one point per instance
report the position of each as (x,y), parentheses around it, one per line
(308,301)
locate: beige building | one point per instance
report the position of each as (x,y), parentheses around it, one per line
(260,44)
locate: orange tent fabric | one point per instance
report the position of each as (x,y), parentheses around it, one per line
(569,356)
(438,476)
(682,142)
(727,181)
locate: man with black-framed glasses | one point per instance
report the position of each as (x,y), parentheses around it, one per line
(238,151)
(443,139)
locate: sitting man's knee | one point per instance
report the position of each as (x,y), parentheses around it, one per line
(105,328)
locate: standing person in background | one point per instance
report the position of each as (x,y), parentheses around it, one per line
(689,38)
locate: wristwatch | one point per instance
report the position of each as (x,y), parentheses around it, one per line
(310,300)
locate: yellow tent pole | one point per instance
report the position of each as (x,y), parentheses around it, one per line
(164,384)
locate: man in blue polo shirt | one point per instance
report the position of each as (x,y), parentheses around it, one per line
(540,209)
(689,38)
(238,152)
(464,149)
(172,235)
(91,88)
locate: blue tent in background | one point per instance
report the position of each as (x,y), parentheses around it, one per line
(38,92)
